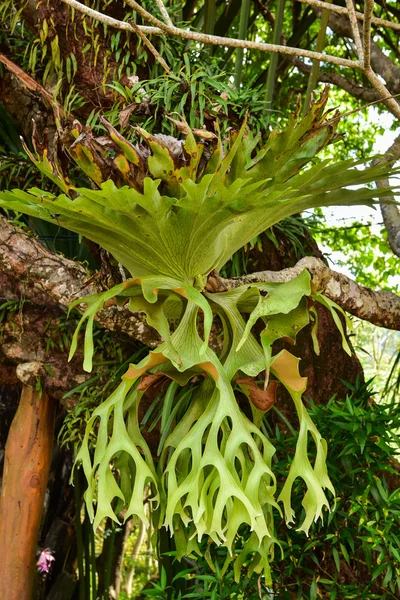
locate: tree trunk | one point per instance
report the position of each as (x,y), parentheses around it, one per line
(110,561)
(26,468)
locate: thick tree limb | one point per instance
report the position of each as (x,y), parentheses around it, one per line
(390,212)
(40,272)
(24,258)
(380,308)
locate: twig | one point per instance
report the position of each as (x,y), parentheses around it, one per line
(343,11)
(94,14)
(164,13)
(150,46)
(369,7)
(389,100)
(363,107)
(355,30)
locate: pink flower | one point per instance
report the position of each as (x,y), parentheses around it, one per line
(45,559)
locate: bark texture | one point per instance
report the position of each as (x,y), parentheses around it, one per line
(42,274)
(26,468)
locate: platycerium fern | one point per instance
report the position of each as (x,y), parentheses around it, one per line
(186,210)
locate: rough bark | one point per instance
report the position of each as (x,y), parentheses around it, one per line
(32,335)
(27,463)
(63,281)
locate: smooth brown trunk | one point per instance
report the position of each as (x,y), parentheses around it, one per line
(26,468)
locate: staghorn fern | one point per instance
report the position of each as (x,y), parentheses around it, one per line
(189,205)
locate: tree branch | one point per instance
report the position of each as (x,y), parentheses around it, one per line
(63,280)
(102,18)
(170,29)
(380,307)
(40,272)
(369,7)
(341,10)
(390,212)
(152,49)
(355,29)
(164,12)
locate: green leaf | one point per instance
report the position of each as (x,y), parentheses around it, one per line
(336,558)
(379,569)
(314,590)
(345,553)
(281,299)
